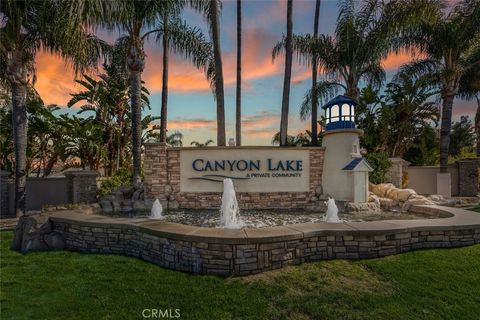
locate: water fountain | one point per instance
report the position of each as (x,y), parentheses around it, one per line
(229,212)
(332,212)
(157,209)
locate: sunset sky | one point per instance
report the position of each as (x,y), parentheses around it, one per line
(191,107)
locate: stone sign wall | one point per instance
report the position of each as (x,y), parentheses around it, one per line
(264,177)
(252,170)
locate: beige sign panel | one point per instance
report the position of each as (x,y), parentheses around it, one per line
(252,170)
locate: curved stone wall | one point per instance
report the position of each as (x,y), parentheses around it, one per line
(247,251)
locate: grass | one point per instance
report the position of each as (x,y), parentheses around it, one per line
(476,209)
(431,284)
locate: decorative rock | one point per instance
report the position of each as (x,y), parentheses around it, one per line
(116,206)
(149,202)
(139,205)
(54,241)
(362,207)
(106,206)
(402,194)
(96,208)
(416,200)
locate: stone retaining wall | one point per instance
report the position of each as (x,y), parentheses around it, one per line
(242,252)
(162,181)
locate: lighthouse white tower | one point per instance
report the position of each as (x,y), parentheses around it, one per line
(345,171)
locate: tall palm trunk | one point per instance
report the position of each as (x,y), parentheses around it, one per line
(163,112)
(18,78)
(287,76)
(314,79)
(136,64)
(135,83)
(19,122)
(477,126)
(238,111)
(219,93)
(446,127)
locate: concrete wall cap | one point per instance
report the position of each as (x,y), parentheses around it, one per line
(235,147)
(81,173)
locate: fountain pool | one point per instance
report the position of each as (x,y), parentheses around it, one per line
(269,218)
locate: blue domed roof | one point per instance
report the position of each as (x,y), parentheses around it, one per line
(339,100)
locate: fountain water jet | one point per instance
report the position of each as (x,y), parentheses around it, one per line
(229,212)
(157,209)
(332,212)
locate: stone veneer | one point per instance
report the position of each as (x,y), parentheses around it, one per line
(468,171)
(248,251)
(162,180)
(81,186)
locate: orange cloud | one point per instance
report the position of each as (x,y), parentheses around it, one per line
(394,60)
(54,79)
(188,124)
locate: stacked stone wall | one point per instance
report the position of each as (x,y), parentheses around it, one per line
(249,255)
(162,180)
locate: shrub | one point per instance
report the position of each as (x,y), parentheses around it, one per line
(380,164)
(120,178)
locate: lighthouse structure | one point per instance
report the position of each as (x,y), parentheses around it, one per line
(345,171)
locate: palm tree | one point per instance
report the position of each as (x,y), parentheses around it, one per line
(409,109)
(301,139)
(216,72)
(175,139)
(176,35)
(353,54)
(451,45)
(52,26)
(139,19)
(287,76)
(238,113)
(108,98)
(199,144)
(469,90)
(314,117)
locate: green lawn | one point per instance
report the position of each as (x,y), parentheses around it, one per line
(476,209)
(431,284)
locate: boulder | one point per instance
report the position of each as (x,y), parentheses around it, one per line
(116,206)
(106,206)
(137,195)
(387,203)
(139,205)
(127,191)
(54,241)
(148,203)
(402,195)
(363,207)
(416,200)
(30,236)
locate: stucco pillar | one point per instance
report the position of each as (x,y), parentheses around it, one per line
(4,201)
(81,186)
(395,173)
(444,184)
(468,177)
